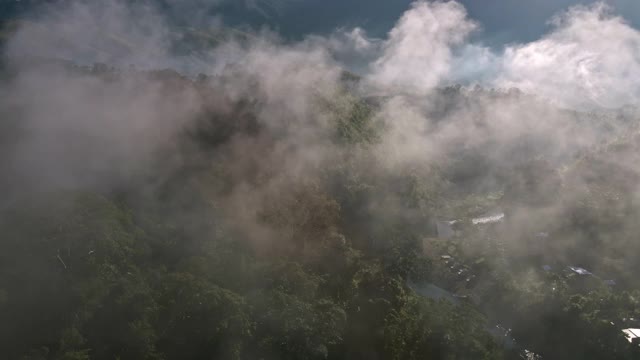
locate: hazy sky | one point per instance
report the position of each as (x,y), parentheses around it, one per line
(503,21)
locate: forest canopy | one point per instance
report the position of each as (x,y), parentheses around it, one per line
(275,205)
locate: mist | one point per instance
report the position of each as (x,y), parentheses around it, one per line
(298,148)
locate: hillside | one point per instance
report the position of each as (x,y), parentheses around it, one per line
(229,239)
(173,189)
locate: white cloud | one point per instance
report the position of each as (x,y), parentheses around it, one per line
(590,58)
(418,53)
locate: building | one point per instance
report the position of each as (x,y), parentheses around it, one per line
(444,229)
(633,335)
(579,270)
(489,219)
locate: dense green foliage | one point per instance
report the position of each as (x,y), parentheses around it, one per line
(160,267)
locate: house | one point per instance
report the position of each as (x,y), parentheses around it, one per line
(489,219)
(579,270)
(632,335)
(444,229)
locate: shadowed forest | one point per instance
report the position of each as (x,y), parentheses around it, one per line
(276,205)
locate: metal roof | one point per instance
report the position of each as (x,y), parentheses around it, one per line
(579,270)
(631,334)
(488,219)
